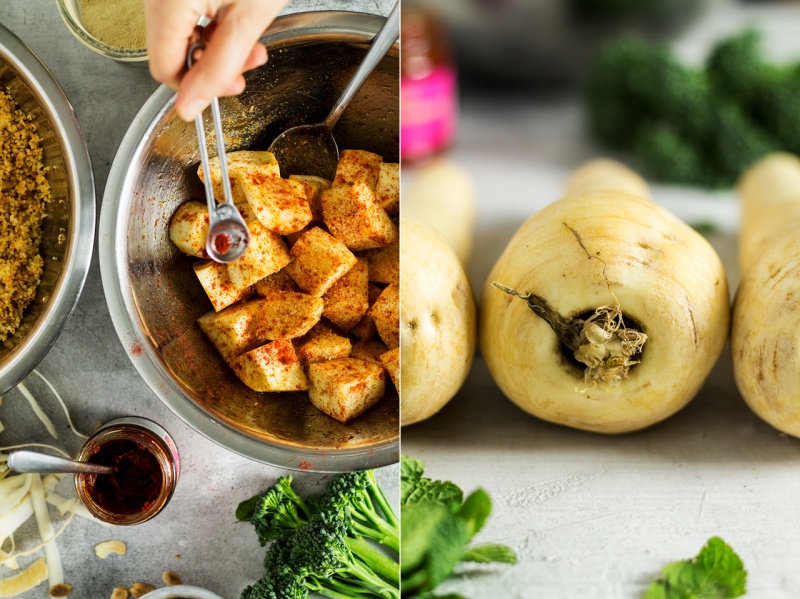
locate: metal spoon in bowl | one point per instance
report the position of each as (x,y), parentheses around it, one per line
(32,461)
(228,236)
(311,149)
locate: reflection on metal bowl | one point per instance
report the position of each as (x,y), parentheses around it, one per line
(153,295)
(68,229)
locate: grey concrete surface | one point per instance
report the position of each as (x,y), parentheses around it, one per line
(196,536)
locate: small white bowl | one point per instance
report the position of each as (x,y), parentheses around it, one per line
(182,591)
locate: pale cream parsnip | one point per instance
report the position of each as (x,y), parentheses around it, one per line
(599,253)
(766,312)
(437,330)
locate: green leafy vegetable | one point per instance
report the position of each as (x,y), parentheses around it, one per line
(716,573)
(320,545)
(700,126)
(438,524)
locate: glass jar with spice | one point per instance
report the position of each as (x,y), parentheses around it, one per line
(146,470)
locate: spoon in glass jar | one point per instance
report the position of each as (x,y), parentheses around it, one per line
(24,461)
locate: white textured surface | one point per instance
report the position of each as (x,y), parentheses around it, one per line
(91,370)
(592,516)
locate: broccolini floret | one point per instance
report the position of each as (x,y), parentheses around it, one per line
(318,544)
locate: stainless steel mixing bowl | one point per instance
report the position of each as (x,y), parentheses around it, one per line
(152,293)
(68,233)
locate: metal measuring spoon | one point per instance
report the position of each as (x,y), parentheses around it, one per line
(228,236)
(311,149)
(41,463)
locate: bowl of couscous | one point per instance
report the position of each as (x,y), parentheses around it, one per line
(47,210)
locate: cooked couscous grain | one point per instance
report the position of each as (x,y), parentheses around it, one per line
(24,192)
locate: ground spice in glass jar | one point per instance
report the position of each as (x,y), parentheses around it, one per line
(118,23)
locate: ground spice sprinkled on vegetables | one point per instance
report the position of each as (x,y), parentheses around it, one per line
(24,192)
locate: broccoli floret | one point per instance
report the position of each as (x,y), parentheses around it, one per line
(666,156)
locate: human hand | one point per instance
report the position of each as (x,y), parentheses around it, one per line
(231,47)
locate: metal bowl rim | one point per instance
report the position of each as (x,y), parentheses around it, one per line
(119,298)
(78,254)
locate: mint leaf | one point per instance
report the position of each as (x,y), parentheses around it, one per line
(416,489)
(487,554)
(716,573)
(475,511)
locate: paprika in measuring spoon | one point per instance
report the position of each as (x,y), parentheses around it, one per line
(135,483)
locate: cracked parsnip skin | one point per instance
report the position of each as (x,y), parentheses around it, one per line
(604,246)
(766,313)
(437,329)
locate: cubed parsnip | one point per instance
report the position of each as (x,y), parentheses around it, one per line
(318,261)
(317,185)
(188,228)
(288,314)
(292,238)
(271,367)
(388,190)
(243,161)
(279,280)
(281,205)
(386,314)
(323,347)
(280,315)
(235,330)
(266,254)
(345,388)
(347,300)
(214,278)
(391,362)
(384,264)
(365,328)
(354,216)
(370,350)
(358,165)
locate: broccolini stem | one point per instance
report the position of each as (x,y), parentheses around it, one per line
(382,565)
(371,581)
(379,497)
(388,538)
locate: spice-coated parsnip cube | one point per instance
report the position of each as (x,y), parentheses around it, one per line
(388,190)
(271,367)
(386,314)
(318,261)
(281,205)
(347,300)
(316,186)
(369,350)
(280,315)
(188,228)
(354,216)
(266,254)
(288,314)
(279,280)
(391,362)
(233,331)
(323,347)
(214,278)
(384,264)
(365,328)
(358,165)
(242,161)
(345,388)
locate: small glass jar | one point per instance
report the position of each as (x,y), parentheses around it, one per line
(146,435)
